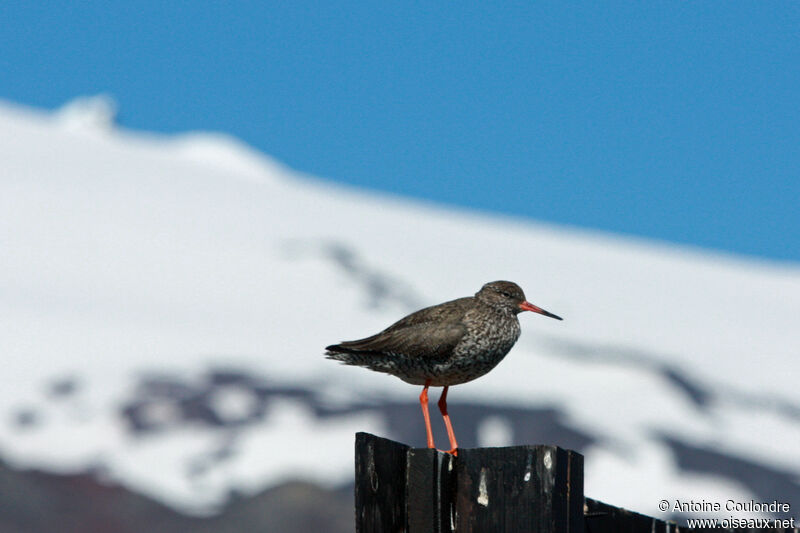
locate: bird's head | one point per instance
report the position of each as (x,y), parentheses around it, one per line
(509,297)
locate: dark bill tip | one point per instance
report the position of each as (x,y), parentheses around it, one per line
(527,306)
(551,315)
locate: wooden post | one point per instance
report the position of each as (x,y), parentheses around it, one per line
(531,489)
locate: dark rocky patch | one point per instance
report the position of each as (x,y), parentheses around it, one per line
(701,392)
(26,418)
(380,288)
(39,502)
(63,387)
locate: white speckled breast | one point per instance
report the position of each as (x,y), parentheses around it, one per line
(484,346)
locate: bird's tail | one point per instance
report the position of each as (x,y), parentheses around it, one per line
(349,356)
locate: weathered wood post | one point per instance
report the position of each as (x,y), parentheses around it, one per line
(531,489)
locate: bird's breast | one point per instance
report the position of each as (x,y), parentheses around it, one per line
(487,341)
(490,339)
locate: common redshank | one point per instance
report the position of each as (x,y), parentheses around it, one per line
(443,345)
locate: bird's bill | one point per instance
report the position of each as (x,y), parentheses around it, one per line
(527,306)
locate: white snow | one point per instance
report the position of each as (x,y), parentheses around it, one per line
(127,252)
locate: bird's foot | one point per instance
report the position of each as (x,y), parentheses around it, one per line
(453,452)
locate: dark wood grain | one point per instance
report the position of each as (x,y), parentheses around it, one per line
(516,489)
(380,485)
(429,491)
(520,488)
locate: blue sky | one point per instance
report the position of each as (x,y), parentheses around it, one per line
(673,120)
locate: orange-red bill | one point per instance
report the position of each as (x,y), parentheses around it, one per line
(527,306)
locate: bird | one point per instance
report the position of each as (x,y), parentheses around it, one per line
(444,345)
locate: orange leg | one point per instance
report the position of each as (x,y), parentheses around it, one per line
(450,433)
(423,401)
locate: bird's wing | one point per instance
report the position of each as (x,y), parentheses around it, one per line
(418,340)
(449,312)
(432,332)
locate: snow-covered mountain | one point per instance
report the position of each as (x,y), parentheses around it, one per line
(165,301)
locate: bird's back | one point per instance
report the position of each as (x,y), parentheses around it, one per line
(428,333)
(451,312)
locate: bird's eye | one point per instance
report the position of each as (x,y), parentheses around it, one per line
(504,293)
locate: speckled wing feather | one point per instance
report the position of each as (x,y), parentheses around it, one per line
(418,341)
(430,333)
(451,312)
